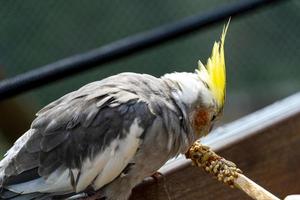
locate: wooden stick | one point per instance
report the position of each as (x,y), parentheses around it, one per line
(252,189)
(226,171)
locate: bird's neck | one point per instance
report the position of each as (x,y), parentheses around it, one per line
(186,87)
(193,98)
(184,93)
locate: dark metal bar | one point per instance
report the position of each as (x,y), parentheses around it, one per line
(124,47)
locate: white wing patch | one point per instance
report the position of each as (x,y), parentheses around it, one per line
(91,168)
(121,157)
(98,172)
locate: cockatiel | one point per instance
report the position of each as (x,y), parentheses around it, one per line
(109,135)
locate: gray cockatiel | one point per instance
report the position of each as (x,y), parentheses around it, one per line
(110,134)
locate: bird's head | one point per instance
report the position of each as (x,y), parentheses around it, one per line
(202,94)
(213,76)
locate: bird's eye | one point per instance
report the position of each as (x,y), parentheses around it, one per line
(213,118)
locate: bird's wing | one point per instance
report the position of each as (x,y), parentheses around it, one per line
(89,134)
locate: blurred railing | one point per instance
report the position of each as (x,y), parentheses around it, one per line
(125,47)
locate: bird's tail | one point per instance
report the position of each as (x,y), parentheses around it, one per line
(9,195)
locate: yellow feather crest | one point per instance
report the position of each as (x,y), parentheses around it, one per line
(214,74)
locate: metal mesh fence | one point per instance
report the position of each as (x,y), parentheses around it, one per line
(262,49)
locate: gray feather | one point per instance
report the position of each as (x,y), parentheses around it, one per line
(49,142)
(83,123)
(6,194)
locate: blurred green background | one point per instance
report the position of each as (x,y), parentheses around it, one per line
(262,49)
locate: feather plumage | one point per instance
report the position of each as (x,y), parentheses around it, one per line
(214,73)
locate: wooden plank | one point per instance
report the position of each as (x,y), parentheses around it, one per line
(265,145)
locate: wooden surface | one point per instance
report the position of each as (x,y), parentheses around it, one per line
(265,145)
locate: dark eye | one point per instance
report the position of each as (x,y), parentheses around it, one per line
(213,118)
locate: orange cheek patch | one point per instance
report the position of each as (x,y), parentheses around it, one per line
(200,119)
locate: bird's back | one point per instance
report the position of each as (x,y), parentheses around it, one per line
(79,128)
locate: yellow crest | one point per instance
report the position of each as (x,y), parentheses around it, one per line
(214,73)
